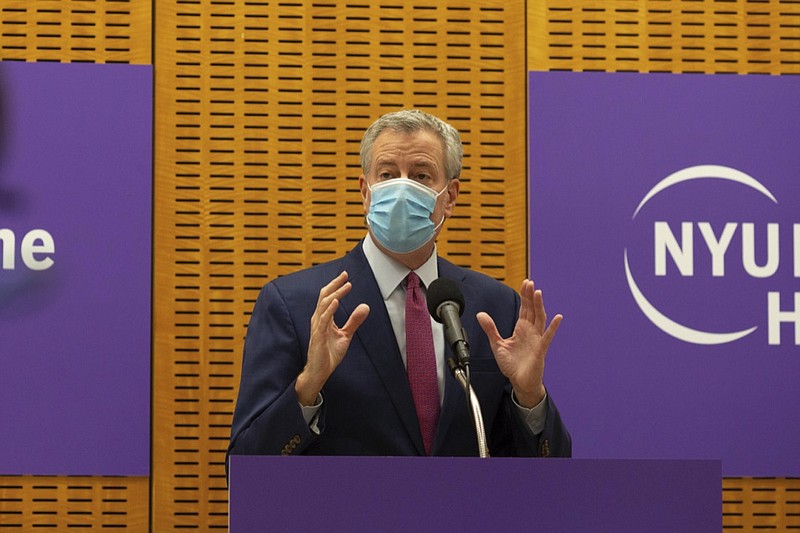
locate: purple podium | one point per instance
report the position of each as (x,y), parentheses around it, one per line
(300,493)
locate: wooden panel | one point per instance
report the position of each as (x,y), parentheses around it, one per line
(761,504)
(704,36)
(98,31)
(28,502)
(682,36)
(261,107)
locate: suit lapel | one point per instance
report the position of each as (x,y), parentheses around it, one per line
(377,339)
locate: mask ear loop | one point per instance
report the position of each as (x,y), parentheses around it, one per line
(444,217)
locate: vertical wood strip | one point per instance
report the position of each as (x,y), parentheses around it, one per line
(261,108)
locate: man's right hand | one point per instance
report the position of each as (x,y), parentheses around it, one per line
(328,343)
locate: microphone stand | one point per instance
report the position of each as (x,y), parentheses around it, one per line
(474,407)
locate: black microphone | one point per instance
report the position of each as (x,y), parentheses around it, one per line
(446,305)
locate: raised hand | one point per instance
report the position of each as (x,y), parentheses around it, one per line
(521,356)
(328,343)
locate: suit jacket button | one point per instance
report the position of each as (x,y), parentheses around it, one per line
(544,448)
(296,439)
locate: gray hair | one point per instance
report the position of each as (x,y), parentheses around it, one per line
(413,121)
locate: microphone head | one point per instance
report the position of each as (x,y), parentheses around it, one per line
(444,290)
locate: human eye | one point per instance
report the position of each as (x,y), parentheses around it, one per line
(385,175)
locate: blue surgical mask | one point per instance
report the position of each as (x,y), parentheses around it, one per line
(400,214)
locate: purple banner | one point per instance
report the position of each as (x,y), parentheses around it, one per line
(471,494)
(665,226)
(75,219)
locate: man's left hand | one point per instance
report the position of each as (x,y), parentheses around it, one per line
(521,356)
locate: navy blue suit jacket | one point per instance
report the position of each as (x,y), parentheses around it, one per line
(368,408)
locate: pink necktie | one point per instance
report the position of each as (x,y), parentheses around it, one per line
(421,361)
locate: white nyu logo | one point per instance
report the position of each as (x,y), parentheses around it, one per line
(682,253)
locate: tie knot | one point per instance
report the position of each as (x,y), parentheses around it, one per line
(412,281)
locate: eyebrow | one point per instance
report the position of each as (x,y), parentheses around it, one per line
(423,164)
(386,162)
(414,165)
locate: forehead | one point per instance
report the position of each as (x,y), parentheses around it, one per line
(419,147)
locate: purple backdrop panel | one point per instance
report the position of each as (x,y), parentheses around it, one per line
(75,218)
(665,226)
(470,494)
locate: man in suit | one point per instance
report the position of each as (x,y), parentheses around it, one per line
(330,367)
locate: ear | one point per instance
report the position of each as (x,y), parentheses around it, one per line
(362,184)
(453,189)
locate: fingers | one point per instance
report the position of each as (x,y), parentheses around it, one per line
(328,304)
(338,287)
(547,338)
(532,306)
(526,294)
(539,314)
(328,300)
(540,318)
(489,327)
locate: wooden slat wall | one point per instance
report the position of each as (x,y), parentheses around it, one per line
(751,504)
(261,106)
(681,36)
(32,502)
(96,31)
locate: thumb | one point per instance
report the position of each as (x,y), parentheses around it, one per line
(356,319)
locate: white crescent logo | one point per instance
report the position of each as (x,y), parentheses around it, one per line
(661,321)
(705,172)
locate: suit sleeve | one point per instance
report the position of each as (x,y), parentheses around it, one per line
(553,441)
(268,419)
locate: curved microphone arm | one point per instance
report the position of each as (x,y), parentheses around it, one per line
(474,407)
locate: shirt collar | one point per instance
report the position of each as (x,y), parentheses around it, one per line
(389,273)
